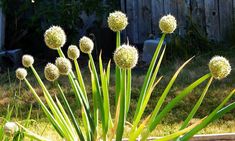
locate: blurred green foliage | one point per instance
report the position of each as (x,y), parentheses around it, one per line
(26,20)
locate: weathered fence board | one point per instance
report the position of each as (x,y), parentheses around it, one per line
(144,14)
(198,14)
(157,11)
(214,17)
(226,17)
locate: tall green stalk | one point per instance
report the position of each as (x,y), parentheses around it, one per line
(80,98)
(117,70)
(122,113)
(80,79)
(77,127)
(148,76)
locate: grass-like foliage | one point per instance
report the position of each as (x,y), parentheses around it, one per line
(96,121)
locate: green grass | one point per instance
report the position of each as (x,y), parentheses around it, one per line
(21,98)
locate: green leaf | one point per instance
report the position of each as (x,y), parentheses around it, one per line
(180,96)
(148,93)
(207,120)
(152,120)
(105,91)
(195,108)
(148,76)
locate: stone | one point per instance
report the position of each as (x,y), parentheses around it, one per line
(149,49)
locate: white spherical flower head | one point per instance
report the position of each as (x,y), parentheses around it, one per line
(64,65)
(55,37)
(21,73)
(168,24)
(73,52)
(117,21)
(10,128)
(86,45)
(51,72)
(126,57)
(219,67)
(27,60)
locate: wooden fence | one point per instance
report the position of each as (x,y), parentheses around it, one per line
(214,17)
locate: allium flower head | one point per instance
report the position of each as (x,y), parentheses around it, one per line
(168,24)
(64,65)
(219,67)
(117,21)
(73,52)
(10,128)
(86,45)
(27,60)
(51,72)
(126,57)
(21,73)
(55,37)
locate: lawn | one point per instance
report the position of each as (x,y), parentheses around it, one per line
(14,93)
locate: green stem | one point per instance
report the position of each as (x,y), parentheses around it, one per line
(117,71)
(55,110)
(71,113)
(80,98)
(122,113)
(46,111)
(80,79)
(33,136)
(128,90)
(148,76)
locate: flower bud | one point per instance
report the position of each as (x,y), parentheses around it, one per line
(73,52)
(55,37)
(219,67)
(21,73)
(168,24)
(64,65)
(126,57)
(86,45)
(51,72)
(10,128)
(27,60)
(117,21)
